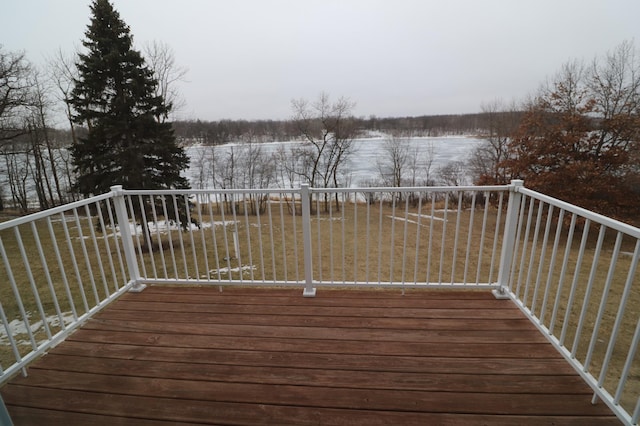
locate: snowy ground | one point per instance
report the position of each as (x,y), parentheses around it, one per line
(163,227)
(18,328)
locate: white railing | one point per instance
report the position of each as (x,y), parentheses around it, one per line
(58,268)
(393,237)
(572,272)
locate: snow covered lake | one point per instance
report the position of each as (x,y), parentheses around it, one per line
(363,163)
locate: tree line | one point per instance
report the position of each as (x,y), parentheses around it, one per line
(220,132)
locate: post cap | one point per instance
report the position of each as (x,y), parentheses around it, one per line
(116,189)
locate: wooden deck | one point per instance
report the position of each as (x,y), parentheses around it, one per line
(260,356)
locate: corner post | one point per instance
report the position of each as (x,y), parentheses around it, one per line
(509,239)
(309,290)
(127,239)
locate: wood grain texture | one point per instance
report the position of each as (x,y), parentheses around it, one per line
(269,356)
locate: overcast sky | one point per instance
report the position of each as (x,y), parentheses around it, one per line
(248,58)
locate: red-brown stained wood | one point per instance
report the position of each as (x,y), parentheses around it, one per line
(269,356)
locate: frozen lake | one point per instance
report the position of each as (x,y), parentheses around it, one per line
(361,171)
(363,163)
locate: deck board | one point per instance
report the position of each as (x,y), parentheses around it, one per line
(269,356)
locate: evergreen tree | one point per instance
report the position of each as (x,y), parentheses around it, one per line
(128,143)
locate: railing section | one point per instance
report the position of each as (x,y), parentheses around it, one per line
(57,268)
(404,237)
(574,273)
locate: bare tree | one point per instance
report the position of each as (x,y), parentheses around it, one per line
(287,163)
(288,170)
(64,160)
(259,172)
(453,173)
(62,73)
(329,131)
(614,85)
(419,169)
(161,59)
(25,136)
(15,94)
(17,168)
(501,122)
(202,161)
(244,166)
(427,157)
(40,122)
(393,161)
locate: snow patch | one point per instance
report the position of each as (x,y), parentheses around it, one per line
(402,219)
(164,227)
(424,216)
(18,328)
(245,269)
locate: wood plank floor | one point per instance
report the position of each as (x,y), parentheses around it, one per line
(269,356)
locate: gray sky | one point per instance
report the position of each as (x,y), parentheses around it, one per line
(249,58)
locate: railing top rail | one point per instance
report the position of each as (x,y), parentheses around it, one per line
(594,217)
(416,189)
(210,191)
(297,190)
(53,211)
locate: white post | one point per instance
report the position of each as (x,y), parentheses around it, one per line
(309,290)
(508,240)
(127,239)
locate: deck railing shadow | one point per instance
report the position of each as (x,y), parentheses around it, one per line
(571,271)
